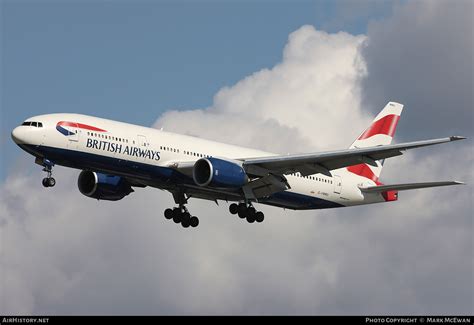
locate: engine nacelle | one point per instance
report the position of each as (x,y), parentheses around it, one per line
(219,173)
(102,186)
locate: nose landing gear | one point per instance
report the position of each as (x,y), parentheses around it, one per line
(48,181)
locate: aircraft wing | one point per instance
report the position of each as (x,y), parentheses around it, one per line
(404,187)
(324,162)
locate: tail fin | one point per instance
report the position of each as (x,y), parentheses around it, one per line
(379,133)
(382,129)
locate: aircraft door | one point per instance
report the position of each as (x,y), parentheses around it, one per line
(73,137)
(143,145)
(337,184)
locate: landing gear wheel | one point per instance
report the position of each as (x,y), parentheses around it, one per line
(194,222)
(259,217)
(233,208)
(169,214)
(45,182)
(186,222)
(177,215)
(251,214)
(251,217)
(51,182)
(185,219)
(241,209)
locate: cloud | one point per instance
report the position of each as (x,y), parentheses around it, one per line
(312,92)
(423,56)
(63,253)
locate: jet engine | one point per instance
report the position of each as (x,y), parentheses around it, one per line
(217,172)
(102,186)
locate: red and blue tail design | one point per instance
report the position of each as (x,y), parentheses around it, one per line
(379,133)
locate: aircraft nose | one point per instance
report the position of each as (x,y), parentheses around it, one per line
(17,135)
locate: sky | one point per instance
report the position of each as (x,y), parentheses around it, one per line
(283,76)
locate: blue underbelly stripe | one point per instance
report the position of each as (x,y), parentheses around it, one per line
(85,160)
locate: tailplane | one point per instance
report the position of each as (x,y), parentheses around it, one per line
(379,133)
(390,192)
(407,186)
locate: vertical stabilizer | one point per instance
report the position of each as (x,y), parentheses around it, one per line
(379,133)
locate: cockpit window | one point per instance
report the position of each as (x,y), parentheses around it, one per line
(35,124)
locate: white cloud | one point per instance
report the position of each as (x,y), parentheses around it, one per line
(301,104)
(63,253)
(424,57)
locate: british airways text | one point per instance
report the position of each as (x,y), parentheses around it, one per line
(123,149)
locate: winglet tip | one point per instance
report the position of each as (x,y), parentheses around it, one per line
(456,137)
(459,183)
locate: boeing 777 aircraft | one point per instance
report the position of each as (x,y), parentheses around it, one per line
(115,157)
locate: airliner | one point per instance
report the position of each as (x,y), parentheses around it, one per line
(115,157)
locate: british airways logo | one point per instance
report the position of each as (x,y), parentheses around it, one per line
(123,149)
(70,128)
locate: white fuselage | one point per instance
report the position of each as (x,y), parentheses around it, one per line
(137,147)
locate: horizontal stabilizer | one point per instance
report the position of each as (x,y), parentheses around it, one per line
(404,187)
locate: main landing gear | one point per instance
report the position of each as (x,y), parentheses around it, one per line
(246,211)
(48,181)
(181,215)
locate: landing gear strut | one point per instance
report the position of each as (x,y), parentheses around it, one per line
(181,214)
(48,181)
(246,211)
